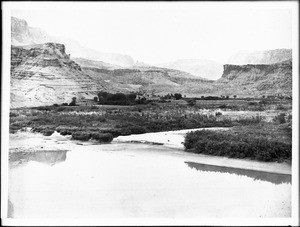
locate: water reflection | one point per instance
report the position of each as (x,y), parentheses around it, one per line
(275,178)
(49,157)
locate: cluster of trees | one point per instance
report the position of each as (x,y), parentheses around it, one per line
(115,99)
(127,99)
(217,97)
(176,96)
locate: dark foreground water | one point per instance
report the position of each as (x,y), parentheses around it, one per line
(138,180)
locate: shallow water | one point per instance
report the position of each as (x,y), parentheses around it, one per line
(122,180)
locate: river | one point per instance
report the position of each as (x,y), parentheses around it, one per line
(55,177)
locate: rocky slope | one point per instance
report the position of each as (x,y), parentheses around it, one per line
(43,74)
(146,78)
(260,57)
(96,64)
(23,34)
(257,80)
(201,68)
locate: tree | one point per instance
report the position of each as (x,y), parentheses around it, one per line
(73,103)
(177,96)
(103,94)
(234,96)
(95,99)
(131,96)
(118,97)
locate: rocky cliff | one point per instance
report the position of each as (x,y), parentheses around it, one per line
(22,34)
(260,79)
(44,74)
(260,57)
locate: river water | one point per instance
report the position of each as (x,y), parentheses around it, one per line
(129,180)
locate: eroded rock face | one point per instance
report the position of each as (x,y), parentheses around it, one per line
(270,79)
(44,74)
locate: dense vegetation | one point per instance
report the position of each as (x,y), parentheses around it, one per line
(240,144)
(268,130)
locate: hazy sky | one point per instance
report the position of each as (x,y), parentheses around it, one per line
(161,32)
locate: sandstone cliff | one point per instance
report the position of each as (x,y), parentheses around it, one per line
(255,80)
(44,74)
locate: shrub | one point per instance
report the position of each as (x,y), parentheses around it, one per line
(103,95)
(102,137)
(177,96)
(142,101)
(11,114)
(43,108)
(65,132)
(61,108)
(48,132)
(83,136)
(280,107)
(131,96)
(55,105)
(137,129)
(218,113)
(191,102)
(249,121)
(73,103)
(280,118)
(117,97)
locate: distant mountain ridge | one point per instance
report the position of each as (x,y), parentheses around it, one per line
(260,57)
(197,67)
(22,34)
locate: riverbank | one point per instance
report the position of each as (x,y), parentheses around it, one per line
(166,143)
(105,123)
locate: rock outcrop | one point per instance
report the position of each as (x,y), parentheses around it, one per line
(22,34)
(44,74)
(272,79)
